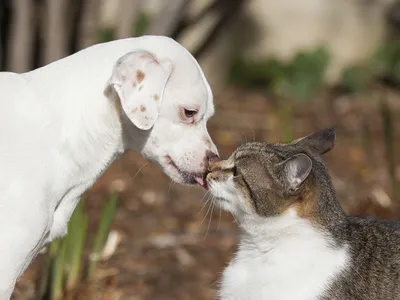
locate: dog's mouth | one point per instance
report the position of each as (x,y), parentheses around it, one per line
(187,177)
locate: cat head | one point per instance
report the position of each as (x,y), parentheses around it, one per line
(268,180)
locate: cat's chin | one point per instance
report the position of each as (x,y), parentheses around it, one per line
(231,206)
(224,204)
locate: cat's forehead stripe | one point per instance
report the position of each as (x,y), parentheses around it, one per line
(250,149)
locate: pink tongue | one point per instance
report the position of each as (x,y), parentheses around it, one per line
(200,181)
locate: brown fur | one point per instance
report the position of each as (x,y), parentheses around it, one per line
(140,76)
(304,204)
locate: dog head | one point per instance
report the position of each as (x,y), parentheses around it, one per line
(169,107)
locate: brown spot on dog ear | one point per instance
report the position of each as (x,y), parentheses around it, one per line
(142,108)
(140,76)
(155,97)
(147,56)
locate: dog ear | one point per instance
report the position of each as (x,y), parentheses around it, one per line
(139,80)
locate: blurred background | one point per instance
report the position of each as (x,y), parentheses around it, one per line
(279,70)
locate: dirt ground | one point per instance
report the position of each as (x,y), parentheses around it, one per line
(175,247)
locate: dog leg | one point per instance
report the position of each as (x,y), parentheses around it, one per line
(62,215)
(22,230)
(64,210)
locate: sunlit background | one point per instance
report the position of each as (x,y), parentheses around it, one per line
(279,70)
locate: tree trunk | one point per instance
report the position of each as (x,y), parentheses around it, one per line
(88,31)
(21,36)
(129,11)
(170,15)
(55,33)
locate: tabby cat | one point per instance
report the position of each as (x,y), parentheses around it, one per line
(296,243)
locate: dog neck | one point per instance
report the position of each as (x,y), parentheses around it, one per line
(89,130)
(133,138)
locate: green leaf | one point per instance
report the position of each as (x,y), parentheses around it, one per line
(305,73)
(299,78)
(141,25)
(356,78)
(106,218)
(105,35)
(58,269)
(77,230)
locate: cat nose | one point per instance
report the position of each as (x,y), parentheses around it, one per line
(215,166)
(212,157)
(209,159)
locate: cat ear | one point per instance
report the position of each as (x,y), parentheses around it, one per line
(139,80)
(321,141)
(296,169)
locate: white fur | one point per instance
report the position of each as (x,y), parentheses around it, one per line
(59,132)
(279,258)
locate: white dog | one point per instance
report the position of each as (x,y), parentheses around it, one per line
(62,125)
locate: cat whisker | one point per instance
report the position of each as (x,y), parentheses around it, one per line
(208,210)
(220,213)
(252,131)
(236,221)
(207,193)
(204,204)
(140,169)
(211,215)
(171,184)
(243,140)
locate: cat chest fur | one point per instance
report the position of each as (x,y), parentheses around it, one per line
(286,259)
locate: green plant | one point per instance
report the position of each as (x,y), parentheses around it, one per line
(305,73)
(383,64)
(386,61)
(138,28)
(256,73)
(105,35)
(107,215)
(65,262)
(141,25)
(299,78)
(356,78)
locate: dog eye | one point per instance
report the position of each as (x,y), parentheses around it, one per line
(189,113)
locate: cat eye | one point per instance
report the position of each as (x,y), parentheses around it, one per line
(234,171)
